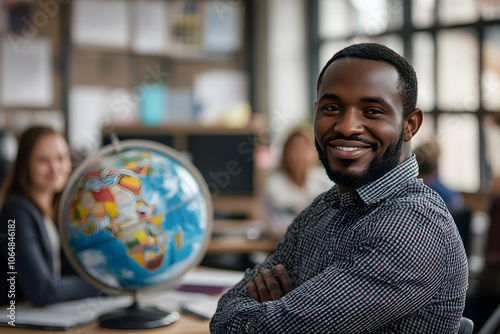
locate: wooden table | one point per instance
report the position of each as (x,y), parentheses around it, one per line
(230,236)
(186,325)
(240,245)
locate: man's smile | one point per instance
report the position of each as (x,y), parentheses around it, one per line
(348,149)
(345,148)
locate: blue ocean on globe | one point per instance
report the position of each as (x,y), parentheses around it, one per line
(135,219)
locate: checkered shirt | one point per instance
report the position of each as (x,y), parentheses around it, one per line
(384,258)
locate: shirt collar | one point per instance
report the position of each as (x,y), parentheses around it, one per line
(386,185)
(379,189)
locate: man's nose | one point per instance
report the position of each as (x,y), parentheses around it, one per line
(350,123)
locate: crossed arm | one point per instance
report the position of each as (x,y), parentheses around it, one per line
(265,287)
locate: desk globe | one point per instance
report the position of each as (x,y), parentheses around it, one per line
(135,216)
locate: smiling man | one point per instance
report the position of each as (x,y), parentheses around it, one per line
(379,252)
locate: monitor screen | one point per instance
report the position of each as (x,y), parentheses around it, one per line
(225,161)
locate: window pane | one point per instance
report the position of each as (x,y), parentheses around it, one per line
(490,9)
(458,136)
(423,62)
(395,9)
(377,16)
(423,13)
(458,11)
(394,42)
(328,49)
(342,18)
(490,80)
(492,138)
(337,18)
(457,68)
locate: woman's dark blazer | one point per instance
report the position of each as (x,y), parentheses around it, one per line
(34,278)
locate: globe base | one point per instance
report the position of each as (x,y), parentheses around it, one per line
(138,317)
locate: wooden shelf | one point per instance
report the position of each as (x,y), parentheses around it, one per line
(209,59)
(249,205)
(180,129)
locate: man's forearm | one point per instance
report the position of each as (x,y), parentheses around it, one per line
(233,314)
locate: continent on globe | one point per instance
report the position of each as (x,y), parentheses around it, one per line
(110,200)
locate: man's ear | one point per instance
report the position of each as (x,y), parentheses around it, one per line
(412,123)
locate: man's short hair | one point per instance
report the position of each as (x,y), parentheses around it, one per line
(378,52)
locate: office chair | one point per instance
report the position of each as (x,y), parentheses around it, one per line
(466,326)
(492,323)
(463,218)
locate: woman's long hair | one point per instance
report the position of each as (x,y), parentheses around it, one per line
(302,130)
(19,180)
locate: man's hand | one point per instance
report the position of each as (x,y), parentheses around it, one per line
(265,287)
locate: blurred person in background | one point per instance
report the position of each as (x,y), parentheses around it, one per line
(492,251)
(489,288)
(427,155)
(297,182)
(486,297)
(30,199)
(493,240)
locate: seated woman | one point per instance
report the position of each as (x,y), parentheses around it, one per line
(298,181)
(30,198)
(427,155)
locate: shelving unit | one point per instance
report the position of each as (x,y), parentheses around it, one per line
(212,148)
(77,64)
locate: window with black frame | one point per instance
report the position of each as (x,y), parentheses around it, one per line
(454,46)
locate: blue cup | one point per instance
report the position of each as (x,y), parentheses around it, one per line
(153,103)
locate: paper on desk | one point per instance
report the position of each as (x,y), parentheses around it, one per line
(196,304)
(67,314)
(212,277)
(172,299)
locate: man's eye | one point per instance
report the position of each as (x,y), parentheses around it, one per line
(331,108)
(374,112)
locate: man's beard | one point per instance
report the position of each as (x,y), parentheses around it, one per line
(378,167)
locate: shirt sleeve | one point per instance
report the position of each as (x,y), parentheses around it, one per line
(396,268)
(34,277)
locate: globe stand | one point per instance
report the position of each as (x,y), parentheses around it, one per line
(136,316)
